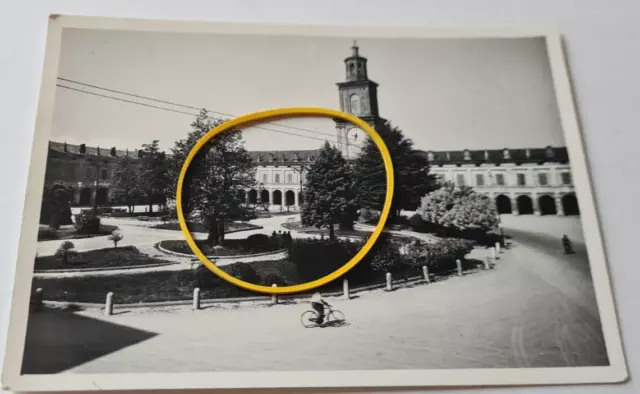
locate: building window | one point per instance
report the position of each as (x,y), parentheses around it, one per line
(521,180)
(289,178)
(500,179)
(264,178)
(104,174)
(460,179)
(566,178)
(542,179)
(479,180)
(355,104)
(277,179)
(89,172)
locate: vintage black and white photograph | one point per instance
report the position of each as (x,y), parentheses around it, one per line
(484,263)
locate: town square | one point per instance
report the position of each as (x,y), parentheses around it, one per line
(482,262)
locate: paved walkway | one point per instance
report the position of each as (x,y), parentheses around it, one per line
(536,309)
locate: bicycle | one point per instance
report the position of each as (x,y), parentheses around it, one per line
(331,317)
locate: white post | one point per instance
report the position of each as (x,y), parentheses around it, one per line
(494,254)
(345,289)
(425,273)
(459,264)
(389,283)
(37,299)
(487,265)
(274,297)
(196,299)
(108,308)
(497,247)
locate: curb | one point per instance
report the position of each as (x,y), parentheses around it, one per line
(219,258)
(90,270)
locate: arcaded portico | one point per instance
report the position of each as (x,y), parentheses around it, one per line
(520,181)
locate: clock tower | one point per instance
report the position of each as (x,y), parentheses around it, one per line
(359,97)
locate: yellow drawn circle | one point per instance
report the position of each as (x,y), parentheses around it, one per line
(259,117)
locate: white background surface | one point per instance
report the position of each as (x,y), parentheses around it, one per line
(603,50)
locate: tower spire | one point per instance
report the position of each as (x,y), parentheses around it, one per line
(354,49)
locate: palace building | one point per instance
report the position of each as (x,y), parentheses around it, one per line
(520,181)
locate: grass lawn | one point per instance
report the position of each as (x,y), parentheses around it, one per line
(99,258)
(45,233)
(147,287)
(197,227)
(232,247)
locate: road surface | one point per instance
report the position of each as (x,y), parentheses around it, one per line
(533,310)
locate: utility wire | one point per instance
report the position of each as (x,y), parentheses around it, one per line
(182,105)
(188,113)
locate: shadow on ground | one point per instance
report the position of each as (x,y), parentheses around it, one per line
(58,340)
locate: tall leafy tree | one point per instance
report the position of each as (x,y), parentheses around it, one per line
(411,170)
(56,207)
(218,172)
(153,174)
(329,197)
(126,182)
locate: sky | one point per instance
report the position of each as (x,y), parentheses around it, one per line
(445,94)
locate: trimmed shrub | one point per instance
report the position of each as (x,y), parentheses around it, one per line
(244,272)
(46,233)
(368,215)
(386,256)
(87,223)
(258,240)
(272,278)
(315,258)
(417,223)
(440,256)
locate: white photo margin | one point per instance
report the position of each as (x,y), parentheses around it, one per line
(11,375)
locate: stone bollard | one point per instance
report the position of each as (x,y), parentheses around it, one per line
(196,299)
(459,265)
(37,300)
(389,282)
(274,297)
(494,254)
(487,265)
(498,248)
(425,273)
(108,308)
(345,289)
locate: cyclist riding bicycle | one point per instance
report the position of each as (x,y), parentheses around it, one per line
(318,304)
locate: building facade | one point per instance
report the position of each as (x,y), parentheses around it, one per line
(85,170)
(520,181)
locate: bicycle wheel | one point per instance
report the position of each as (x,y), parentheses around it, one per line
(308,319)
(335,316)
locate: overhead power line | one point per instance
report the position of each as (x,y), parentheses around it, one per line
(187,113)
(182,105)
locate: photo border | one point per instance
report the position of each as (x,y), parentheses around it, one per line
(11,374)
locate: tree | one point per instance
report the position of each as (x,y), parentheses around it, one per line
(66,251)
(115,237)
(56,207)
(126,183)
(411,170)
(329,197)
(460,208)
(153,174)
(217,173)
